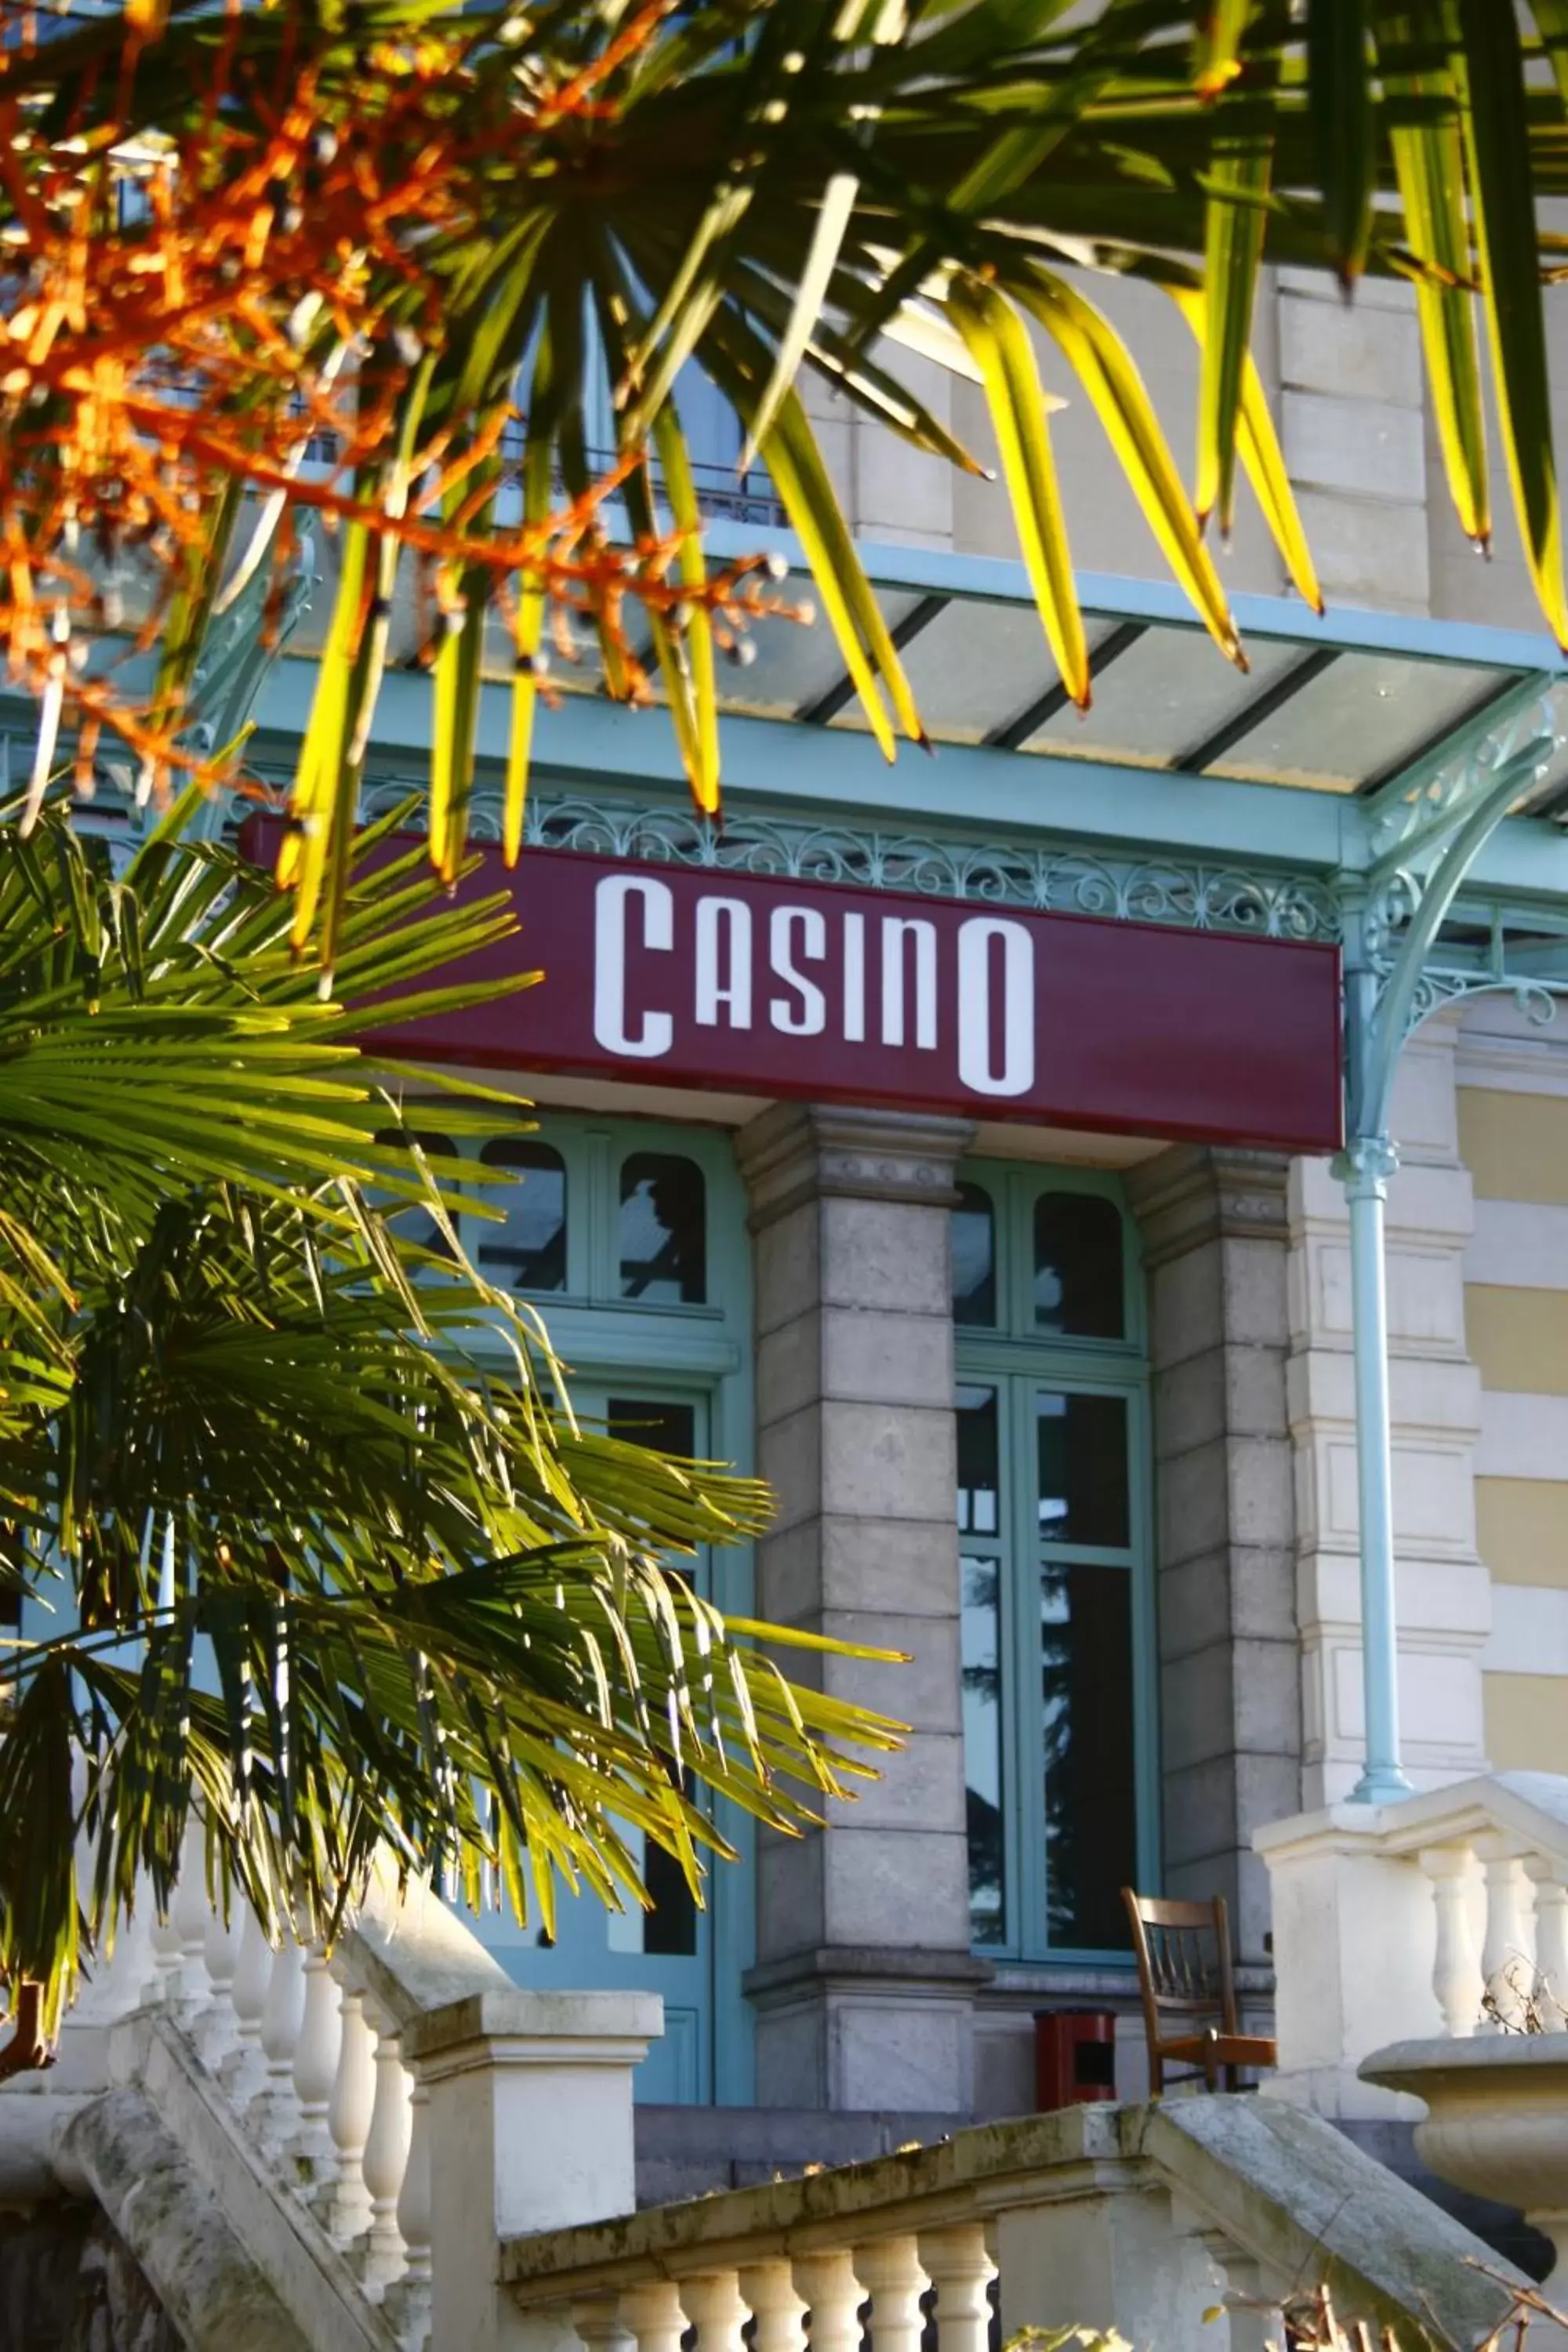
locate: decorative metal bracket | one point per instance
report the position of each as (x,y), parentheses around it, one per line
(1424,839)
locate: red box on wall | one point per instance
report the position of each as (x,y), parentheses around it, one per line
(1074,2057)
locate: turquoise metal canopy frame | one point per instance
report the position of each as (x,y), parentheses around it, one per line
(1388,783)
(1391,784)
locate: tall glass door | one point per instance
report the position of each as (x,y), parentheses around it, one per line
(667,1949)
(1055,1552)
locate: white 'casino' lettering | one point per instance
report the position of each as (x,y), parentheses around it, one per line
(995,1040)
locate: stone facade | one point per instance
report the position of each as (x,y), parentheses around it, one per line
(1215,1238)
(863,1984)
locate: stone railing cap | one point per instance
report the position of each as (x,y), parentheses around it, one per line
(574,2021)
(980,2169)
(1529,1806)
(413,1955)
(1464,2054)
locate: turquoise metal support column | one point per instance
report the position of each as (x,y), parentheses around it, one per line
(1365,1168)
(1425,833)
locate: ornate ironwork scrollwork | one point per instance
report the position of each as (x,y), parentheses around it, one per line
(1051,879)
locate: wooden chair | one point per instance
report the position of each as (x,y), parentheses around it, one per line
(1184,1974)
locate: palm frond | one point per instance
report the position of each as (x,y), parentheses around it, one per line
(251,1434)
(749,191)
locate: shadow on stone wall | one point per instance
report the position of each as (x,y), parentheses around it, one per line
(68,2285)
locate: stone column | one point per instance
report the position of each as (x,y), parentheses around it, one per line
(529,2129)
(864,1978)
(1214,1242)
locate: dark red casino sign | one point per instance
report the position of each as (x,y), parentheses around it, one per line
(763,985)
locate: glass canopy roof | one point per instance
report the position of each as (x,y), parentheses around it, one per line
(1342,704)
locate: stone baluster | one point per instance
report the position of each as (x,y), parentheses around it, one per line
(413,2199)
(274,2113)
(835,2295)
(655,2316)
(1508,1959)
(889,2271)
(316,2054)
(385,2158)
(407,2300)
(778,2305)
(349,2110)
(1256,2323)
(1550,1940)
(715,2308)
(220,1956)
(601,2326)
(189,1911)
(164,1938)
(1456,1979)
(961,2271)
(243,2071)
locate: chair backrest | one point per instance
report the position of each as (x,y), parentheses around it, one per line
(1183,1961)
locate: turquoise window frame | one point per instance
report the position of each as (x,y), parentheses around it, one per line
(697,1353)
(1016,1359)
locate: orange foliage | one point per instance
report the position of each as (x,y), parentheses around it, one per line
(246,307)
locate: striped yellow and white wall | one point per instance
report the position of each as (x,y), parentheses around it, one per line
(1512,1102)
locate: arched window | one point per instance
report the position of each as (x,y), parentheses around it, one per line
(528,1252)
(975,1258)
(1055,1554)
(663,1230)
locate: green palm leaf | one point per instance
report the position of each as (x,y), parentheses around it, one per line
(437,1610)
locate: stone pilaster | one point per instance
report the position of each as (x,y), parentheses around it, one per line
(1443,1594)
(1215,1238)
(864,1979)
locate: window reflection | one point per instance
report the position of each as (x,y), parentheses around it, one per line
(974,1228)
(1082,1452)
(530,1249)
(1078,1267)
(982,1654)
(669,1929)
(663,1236)
(408,1219)
(1088,1736)
(979,1479)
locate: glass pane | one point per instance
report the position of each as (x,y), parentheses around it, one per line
(1161,699)
(977,665)
(1086,1689)
(1083,1469)
(1078,1267)
(670,1928)
(1363,717)
(983,1750)
(654,1421)
(407,1220)
(664,1239)
(978,1479)
(973,1225)
(530,1247)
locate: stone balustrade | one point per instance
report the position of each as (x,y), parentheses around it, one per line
(1183,2225)
(1444,1915)
(398,2081)
(401,2151)
(309,2049)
